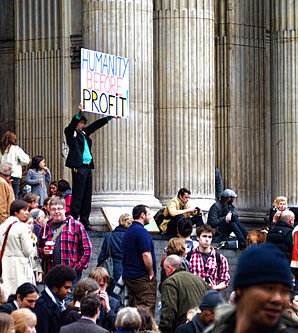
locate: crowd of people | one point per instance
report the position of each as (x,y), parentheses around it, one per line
(45,248)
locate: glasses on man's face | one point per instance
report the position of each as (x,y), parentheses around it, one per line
(56,209)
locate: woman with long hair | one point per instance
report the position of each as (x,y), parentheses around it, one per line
(12,153)
(37,177)
(6,323)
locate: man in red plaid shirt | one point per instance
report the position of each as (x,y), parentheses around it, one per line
(70,246)
(206,263)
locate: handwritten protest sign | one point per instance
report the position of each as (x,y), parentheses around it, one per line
(104,83)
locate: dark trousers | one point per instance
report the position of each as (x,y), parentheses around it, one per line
(172,225)
(15,182)
(142,291)
(235,226)
(81,193)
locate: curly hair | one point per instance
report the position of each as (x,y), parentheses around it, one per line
(278,200)
(125,220)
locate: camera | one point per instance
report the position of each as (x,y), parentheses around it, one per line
(208,279)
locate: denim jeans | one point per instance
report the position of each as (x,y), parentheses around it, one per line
(233,226)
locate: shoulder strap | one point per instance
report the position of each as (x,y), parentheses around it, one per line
(4,242)
(108,251)
(218,262)
(58,232)
(188,256)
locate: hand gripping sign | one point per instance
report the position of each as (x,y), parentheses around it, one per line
(104,83)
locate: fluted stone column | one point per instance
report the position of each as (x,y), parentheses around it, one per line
(184,98)
(242,108)
(284,118)
(7,68)
(42,81)
(124,149)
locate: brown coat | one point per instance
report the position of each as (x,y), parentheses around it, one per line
(6,198)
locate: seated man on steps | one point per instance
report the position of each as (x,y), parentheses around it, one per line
(223,216)
(178,208)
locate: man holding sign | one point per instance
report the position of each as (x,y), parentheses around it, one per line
(80,161)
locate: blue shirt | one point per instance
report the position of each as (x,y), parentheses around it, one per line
(136,241)
(87,157)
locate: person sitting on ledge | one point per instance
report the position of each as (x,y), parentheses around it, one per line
(178,208)
(223,216)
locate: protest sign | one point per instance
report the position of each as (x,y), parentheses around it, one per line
(104,83)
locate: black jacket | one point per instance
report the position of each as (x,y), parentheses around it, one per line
(70,315)
(217,213)
(48,314)
(194,326)
(75,140)
(81,326)
(8,307)
(281,236)
(107,320)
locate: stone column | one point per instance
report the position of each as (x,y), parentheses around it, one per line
(242,108)
(284,96)
(42,83)
(184,99)
(124,149)
(7,68)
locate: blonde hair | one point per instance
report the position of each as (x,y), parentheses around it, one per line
(100,273)
(5,321)
(125,220)
(22,318)
(278,200)
(176,246)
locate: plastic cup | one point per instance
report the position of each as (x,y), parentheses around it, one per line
(50,245)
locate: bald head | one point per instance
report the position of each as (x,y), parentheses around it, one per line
(287,216)
(171,263)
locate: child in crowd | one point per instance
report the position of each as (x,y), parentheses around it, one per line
(64,191)
(34,257)
(37,177)
(53,188)
(279,205)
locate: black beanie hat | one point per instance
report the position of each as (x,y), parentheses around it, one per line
(210,300)
(262,264)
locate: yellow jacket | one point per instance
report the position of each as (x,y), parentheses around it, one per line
(174,207)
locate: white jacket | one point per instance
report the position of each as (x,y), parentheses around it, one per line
(17,157)
(16,265)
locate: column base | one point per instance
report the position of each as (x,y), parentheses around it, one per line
(119,200)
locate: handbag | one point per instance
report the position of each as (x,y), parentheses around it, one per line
(3,245)
(108,263)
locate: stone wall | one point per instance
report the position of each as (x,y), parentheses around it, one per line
(160,242)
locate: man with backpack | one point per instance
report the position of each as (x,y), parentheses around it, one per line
(281,233)
(208,264)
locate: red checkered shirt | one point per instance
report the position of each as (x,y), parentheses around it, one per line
(76,247)
(196,266)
